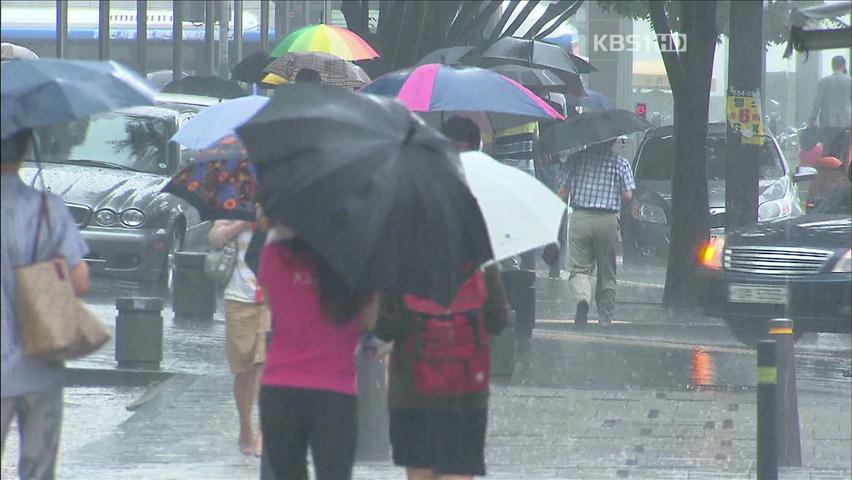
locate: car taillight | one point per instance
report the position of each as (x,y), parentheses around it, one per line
(711,253)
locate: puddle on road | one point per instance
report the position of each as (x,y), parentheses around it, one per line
(574,361)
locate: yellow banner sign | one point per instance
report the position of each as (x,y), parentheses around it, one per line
(744,115)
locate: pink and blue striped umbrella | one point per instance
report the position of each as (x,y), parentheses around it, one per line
(462,89)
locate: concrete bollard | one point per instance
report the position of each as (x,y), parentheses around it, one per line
(502,351)
(787,403)
(139,333)
(193,294)
(520,291)
(767,443)
(373,420)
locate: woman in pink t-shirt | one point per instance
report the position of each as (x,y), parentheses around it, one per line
(308,386)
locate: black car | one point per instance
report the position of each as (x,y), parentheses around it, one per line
(110,169)
(645,224)
(798,268)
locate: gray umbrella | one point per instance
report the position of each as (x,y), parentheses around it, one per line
(591,128)
(333,70)
(43,92)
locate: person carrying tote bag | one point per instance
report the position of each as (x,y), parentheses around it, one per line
(32,387)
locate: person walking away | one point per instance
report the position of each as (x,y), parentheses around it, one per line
(463,134)
(599,182)
(308,387)
(440,435)
(32,388)
(246,323)
(833,104)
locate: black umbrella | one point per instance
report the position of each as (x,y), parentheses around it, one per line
(379,194)
(590,128)
(447,56)
(540,78)
(208,86)
(583,65)
(250,68)
(528,52)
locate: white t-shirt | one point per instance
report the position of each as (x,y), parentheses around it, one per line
(243,285)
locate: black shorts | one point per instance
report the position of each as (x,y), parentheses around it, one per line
(449,442)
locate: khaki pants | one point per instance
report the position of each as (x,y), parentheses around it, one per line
(592,241)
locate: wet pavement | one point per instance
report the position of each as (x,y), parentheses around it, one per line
(581,405)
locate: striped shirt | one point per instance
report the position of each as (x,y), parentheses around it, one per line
(595,178)
(20,205)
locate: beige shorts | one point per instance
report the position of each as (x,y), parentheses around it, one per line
(246,325)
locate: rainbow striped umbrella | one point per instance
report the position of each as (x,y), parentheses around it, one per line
(337,41)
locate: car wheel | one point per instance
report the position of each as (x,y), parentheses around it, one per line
(750,331)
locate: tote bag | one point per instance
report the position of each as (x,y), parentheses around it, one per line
(54,323)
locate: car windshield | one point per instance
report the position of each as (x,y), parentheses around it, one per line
(657,157)
(110,139)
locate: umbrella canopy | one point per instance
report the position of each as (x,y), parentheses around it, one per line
(10,51)
(529,52)
(540,78)
(338,41)
(591,128)
(208,86)
(37,93)
(250,68)
(450,89)
(333,70)
(161,78)
(596,102)
(521,212)
(220,182)
(218,121)
(446,56)
(379,194)
(582,64)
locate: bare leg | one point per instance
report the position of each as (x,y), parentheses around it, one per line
(245,394)
(456,477)
(420,474)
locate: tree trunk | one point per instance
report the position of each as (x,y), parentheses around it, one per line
(744,75)
(691,90)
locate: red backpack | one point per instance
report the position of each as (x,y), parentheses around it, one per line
(448,348)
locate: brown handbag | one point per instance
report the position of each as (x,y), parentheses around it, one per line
(54,323)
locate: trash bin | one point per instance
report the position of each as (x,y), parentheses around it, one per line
(193,294)
(520,291)
(503,351)
(139,332)
(373,420)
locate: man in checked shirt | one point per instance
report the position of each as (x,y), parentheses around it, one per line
(598,182)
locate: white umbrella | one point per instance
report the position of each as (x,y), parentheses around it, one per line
(10,51)
(520,212)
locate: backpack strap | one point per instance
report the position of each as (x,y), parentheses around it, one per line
(473,319)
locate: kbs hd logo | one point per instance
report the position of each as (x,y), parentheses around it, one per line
(664,42)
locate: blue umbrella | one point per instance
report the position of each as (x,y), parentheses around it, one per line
(42,92)
(455,89)
(218,121)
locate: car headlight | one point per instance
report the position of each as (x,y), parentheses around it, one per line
(105,217)
(844,264)
(132,218)
(712,253)
(648,212)
(773,209)
(774,202)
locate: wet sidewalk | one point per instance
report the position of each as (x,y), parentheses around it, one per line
(545,425)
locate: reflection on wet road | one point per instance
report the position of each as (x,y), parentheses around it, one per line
(562,359)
